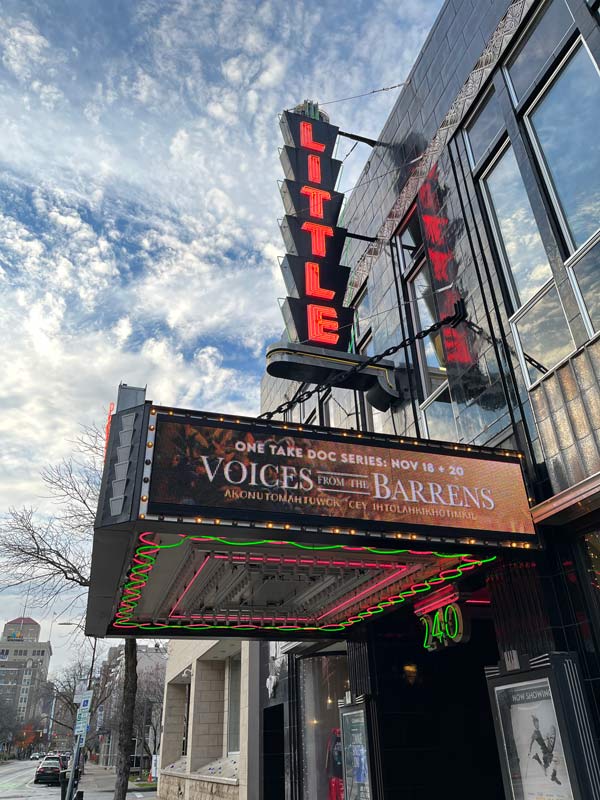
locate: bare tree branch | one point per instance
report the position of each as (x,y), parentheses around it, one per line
(51,555)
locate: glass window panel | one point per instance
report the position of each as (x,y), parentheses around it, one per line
(544,334)
(233,705)
(411,240)
(426,313)
(325,411)
(587,272)
(484,127)
(517,228)
(538,46)
(323,680)
(363,315)
(439,418)
(566,124)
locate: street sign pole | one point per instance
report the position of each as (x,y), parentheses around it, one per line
(81,727)
(74,766)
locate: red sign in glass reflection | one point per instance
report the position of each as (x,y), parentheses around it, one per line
(441,257)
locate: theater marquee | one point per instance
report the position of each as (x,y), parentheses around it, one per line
(243,471)
(215,525)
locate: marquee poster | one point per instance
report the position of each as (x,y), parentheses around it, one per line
(532,741)
(249,473)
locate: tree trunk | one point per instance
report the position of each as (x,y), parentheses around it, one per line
(126,746)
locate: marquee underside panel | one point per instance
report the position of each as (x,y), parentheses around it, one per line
(206,585)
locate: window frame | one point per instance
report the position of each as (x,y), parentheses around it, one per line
(324,407)
(490,150)
(430,400)
(509,280)
(518,311)
(407,267)
(540,161)
(513,322)
(366,334)
(546,66)
(570,268)
(417,267)
(230,694)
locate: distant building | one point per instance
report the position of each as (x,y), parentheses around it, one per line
(151,664)
(24,662)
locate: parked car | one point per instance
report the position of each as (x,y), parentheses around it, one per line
(49,771)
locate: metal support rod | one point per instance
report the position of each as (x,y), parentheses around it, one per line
(356,138)
(361,237)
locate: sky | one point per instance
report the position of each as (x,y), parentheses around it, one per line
(139,202)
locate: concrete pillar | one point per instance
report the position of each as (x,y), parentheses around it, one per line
(173,723)
(250,723)
(205,726)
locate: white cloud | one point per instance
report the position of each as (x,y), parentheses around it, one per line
(179,144)
(138,233)
(273,68)
(24,49)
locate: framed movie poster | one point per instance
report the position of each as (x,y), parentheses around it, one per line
(545,731)
(532,741)
(355,753)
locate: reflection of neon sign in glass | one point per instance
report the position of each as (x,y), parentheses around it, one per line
(314,311)
(436,228)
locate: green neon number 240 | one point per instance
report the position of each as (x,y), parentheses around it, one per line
(444,627)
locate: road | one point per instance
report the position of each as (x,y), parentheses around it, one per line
(16,780)
(16,783)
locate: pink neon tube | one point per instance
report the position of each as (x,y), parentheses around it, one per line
(368,590)
(190,584)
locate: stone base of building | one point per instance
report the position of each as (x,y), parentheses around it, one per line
(190,787)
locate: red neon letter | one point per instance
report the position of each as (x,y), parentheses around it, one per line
(427,198)
(312,277)
(315,200)
(439,262)
(314,168)
(434,229)
(457,347)
(317,236)
(306,138)
(322,324)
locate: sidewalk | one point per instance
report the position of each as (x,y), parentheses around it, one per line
(97,779)
(102,779)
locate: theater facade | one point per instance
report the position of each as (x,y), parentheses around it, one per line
(482,186)
(414,546)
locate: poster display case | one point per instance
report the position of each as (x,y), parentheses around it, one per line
(355,752)
(544,733)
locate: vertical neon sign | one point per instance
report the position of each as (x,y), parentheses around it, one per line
(314,310)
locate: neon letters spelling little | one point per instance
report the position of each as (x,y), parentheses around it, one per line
(314,310)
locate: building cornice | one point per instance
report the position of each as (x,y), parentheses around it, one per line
(570,504)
